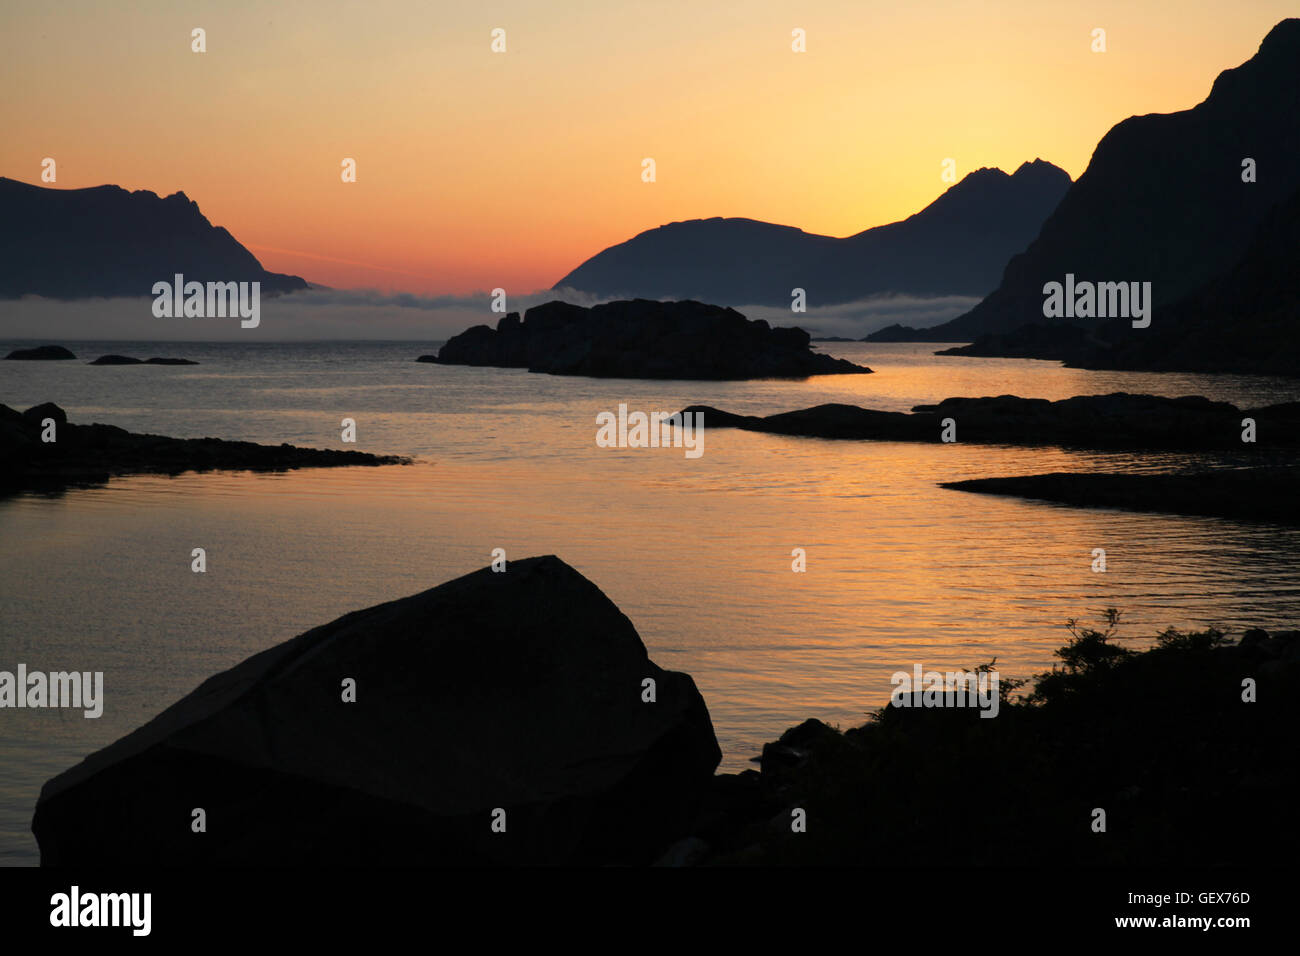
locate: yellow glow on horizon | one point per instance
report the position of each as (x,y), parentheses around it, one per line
(478,170)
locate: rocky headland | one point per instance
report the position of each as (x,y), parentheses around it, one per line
(1120,420)
(1248,494)
(83,455)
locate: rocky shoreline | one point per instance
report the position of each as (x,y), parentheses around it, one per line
(87,455)
(1164,742)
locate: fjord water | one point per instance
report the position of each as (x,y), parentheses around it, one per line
(697,552)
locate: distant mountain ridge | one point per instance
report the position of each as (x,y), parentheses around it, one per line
(106,241)
(957,245)
(1162,199)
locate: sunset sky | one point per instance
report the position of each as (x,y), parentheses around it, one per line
(477,170)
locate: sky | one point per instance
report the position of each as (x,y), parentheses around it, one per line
(477,170)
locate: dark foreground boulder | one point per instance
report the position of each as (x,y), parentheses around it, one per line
(519,690)
(41,353)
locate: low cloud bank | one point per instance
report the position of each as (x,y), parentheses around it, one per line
(856,319)
(361,314)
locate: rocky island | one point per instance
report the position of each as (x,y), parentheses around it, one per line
(129,360)
(641,338)
(82,455)
(41,353)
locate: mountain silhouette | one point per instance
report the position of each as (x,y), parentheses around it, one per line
(106,241)
(957,245)
(1163,199)
(1245,321)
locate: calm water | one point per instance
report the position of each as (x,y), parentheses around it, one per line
(696,552)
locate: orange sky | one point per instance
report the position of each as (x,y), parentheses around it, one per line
(477,170)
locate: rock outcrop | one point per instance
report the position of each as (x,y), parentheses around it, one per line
(1088,421)
(1250,494)
(641,339)
(81,455)
(129,360)
(516,698)
(41,353)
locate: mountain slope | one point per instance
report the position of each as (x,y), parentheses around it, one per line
(1245,321)
(1163,200)
(106,241)
(957,245)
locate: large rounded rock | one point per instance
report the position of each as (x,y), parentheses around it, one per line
(519,691)
(37,414)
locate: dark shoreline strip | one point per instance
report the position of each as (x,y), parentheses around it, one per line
(1250,494)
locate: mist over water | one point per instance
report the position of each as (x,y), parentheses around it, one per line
(697,552)
(343,314)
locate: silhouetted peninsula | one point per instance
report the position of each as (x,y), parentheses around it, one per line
(1251,494)
(81,455)
(1087,421)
